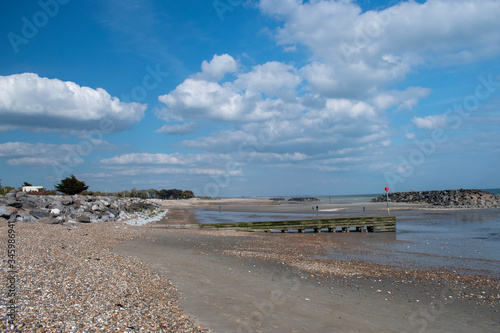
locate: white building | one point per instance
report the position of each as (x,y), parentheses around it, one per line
(32,188)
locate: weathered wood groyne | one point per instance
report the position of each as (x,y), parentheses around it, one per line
(348,224)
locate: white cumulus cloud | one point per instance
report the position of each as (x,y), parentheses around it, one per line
(217,67)
(41,154)
(30,102)
(357,53)
(430,122)
(159,158)
(403,100)
(266,91)
(178,129)
(272,78)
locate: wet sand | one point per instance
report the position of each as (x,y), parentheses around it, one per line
(240,282)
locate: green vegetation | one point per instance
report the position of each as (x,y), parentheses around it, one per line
(155,213)
(70,185)
(171,194)
(175,194)
(5,190)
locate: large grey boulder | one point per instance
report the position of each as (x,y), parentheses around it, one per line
(104,203)
(29,203)
(7,211)
(14,203)
(39,213)
(27,218)
(66,200)
(60,219)
(83,218)
(43,202)
(56,205)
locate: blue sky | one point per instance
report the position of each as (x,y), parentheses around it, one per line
(255,98)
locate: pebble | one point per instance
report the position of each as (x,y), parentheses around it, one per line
(69,280)
(302,253)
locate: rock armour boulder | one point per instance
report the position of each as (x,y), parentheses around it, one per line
(57,208)
(446,198)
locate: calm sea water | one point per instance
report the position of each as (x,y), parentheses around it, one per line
(460,240)
(204,216)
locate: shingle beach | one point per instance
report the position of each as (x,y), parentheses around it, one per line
(68,280)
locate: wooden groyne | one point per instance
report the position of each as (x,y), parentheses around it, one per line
(354,224)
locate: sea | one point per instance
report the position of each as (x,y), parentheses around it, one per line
(462,240)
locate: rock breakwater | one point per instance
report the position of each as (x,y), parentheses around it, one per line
(57,209)
(446,198)
(303,199)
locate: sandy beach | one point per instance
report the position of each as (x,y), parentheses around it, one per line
(170,276)
(240,282)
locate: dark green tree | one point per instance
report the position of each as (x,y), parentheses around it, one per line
(70,185)
(27,184)
(142,194)
(170,194)
(163,194)
(153,193)
(187,194)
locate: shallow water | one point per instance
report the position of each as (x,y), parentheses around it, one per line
(460,240)
(204,216)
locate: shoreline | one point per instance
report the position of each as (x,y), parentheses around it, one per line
(226,276)
(355,243)
(172,279)
(227,287)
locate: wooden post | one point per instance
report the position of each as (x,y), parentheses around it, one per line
(387,197)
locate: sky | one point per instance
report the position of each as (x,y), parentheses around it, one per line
(251,98)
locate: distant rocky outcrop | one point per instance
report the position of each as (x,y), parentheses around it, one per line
(304,199)
(56,209)
(446,198)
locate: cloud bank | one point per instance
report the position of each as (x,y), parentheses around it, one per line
(30,102)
